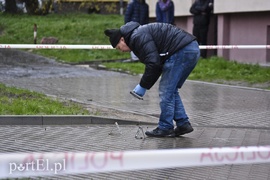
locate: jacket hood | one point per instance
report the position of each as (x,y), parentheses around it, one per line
(127,29)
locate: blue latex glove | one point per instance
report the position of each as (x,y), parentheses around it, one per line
(139,90)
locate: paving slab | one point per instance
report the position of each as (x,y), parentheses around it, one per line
(99,138)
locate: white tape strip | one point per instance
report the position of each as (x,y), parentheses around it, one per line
(53,46)
(235,47)
(44,164)
(64,46)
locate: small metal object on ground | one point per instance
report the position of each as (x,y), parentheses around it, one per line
(117,128)
(139,131)
(35,33)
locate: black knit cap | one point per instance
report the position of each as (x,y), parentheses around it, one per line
(115,36)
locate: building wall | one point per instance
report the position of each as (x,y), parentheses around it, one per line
(244,29)
(243,22)
(233,6)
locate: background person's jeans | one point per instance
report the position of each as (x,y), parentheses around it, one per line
(175,71)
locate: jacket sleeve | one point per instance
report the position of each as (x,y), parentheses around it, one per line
(148,54)
(151,74)
(195,9)
(208,8)
(205,7)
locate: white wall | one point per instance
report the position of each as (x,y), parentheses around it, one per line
(220,6)
(231,6)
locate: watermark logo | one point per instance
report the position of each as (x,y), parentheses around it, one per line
(38,165)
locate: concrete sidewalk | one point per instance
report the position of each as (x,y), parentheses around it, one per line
(223,116)
(100,138)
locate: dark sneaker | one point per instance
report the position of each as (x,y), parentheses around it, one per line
(160,133)
(184,129)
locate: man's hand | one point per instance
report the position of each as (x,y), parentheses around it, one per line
(139,90)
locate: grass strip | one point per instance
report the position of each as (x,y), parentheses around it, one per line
(15,101)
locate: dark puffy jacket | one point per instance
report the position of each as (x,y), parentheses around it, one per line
(137,11)
(153,44)
(201,10)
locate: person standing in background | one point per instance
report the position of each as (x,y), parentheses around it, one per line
(165,11)
(137,11)
(201,9)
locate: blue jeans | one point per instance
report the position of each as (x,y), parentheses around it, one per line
(175,71)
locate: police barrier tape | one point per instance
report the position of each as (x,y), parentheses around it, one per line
(64,46)
(50,164)
(53,46)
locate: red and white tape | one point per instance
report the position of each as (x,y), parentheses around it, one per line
(235,47)
(49,164)
(64,46)
(53,46)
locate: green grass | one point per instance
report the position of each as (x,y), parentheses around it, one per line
(132,68)
(16,101)
(69,29)
(214,69)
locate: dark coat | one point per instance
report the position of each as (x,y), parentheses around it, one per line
(165,15)
(153,44)
(201,10)
(137,11)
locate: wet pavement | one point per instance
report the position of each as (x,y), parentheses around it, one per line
(223,116)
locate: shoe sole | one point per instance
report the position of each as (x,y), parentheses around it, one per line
(185,132)
(168,136)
